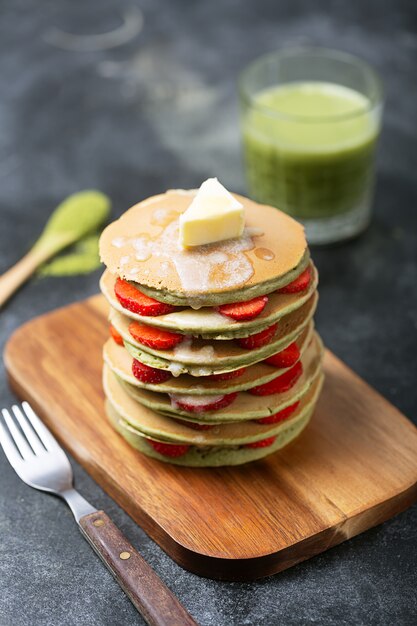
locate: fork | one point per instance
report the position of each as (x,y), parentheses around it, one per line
(41,463)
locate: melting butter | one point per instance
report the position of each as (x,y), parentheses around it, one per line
(214,215)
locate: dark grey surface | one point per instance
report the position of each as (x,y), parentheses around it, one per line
(158,112)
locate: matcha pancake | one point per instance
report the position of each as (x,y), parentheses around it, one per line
(201,357)
(142,246)
(204,288)
(207,456)
(147,423)
(245,406)
(206,322)
(120,362)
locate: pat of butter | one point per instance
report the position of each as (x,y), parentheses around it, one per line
(213,215)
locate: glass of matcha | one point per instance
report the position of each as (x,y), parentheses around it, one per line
(310,122)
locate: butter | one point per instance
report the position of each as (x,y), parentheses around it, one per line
(213,215)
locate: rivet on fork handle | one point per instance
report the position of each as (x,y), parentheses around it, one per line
(149,594)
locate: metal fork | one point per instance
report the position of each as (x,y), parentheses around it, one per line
(40,462)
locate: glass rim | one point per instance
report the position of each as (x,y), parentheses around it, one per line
(376,98)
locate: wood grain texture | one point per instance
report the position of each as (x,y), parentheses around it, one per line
(156,603)
(14,278)
(353,467)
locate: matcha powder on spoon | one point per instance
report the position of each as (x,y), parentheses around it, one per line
(82,258)
(79,216)
(76,220)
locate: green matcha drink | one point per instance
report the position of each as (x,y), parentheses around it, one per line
(309,144)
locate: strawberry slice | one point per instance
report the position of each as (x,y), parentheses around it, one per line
(194,425)
(280,416)
(263,443)
(154,337)
(285,358)
(134,300)
(227,375)
(299,284)
(202,404)
(147,374)
(168,449)
(280,383)
(116,336)
(259,339)
(241,311)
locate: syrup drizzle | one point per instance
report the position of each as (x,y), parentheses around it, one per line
(185,350)
(265,254)
(163,217)
(221,265)
(119,242)
(142,247)
(209,267)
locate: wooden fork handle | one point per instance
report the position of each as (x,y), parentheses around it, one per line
(154,601)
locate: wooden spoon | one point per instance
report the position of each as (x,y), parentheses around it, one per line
(78,215)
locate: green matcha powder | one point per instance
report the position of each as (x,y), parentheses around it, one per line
(75,225)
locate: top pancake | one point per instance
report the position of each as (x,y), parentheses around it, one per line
(142,246)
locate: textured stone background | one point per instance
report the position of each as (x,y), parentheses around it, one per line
(157,112)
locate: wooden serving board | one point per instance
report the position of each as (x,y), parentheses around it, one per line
(353,467)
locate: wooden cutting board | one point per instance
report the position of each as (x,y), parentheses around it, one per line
(353,467)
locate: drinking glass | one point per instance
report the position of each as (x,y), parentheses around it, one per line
(310,120)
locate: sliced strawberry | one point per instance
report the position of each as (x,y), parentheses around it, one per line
(263,443)
(259,339)
(154,337)
(280,383)
(168,449)
(227,375)
(116,336)
(134,300)
(280,416)
(241,311)
(299,284)
(186,403)
(194,425)
(286,357)
(147,374)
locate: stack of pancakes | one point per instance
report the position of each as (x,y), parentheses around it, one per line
(188,379)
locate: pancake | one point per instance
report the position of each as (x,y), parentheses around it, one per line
(201,357)
(207,322)
(147,423)
(208,456)
(120,362)
(245,407)
(142,246)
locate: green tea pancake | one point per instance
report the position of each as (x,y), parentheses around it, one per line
(142,246)
(245,407)
(208,456)
(201,357)
(159,427)
(120,362)
(207,322)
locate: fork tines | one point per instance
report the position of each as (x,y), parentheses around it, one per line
(24,435)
